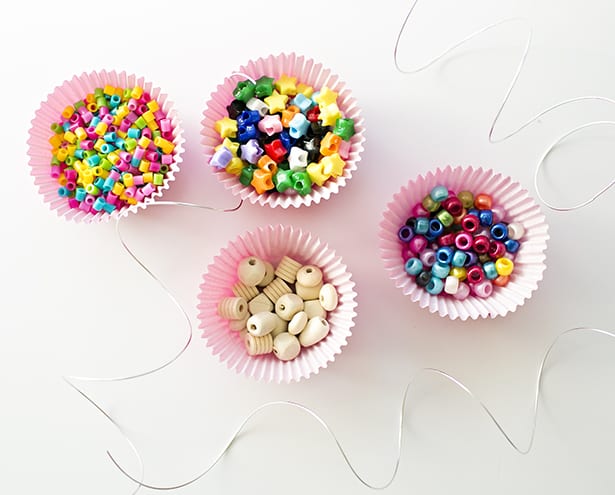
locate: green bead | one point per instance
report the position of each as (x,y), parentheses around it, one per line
(283,180)
(263,87)
(302,183)
(98,92)
(244,91)
(284,165)
(57,128)
(127,94)
(245,177)
(344,128)
(445,218)
(484,258)
(156,134)
(78,104)
(101,101)
(55,161)
(141,123)
(130,144)
(466,198)
(164,169)
(430,205)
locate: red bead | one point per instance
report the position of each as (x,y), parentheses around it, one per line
(275,150)
(497,249)
(406,253)
(452,205)
(470,223)
(417,244)
(463,241)
(446,239)
(475,274)
(313,114)
(419,211)
(481,244)
(483,201)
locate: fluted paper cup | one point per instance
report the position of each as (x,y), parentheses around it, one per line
(506,194)
(39,149)
(271,243)
(306,71)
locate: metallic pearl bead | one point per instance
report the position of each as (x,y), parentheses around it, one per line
(512,246)
(504,266)
(463,241)
(435,227)
(501,281)
(480,244)
(483,201)
(490,270)
(515,231)
(483,289)
(413,266)
(429,204)
(439,193)
(459,258)
(421,226)
(417,244)
(453,206)
(485,217)
(470,223)
(472,258)
(466,198)
(435,286)
(440,270)
(445,255)
(446,239)
(475,274)
(428,258)
(499,232)
(463,291)
(496,249)
(445,218)
(405,234)
(423,278)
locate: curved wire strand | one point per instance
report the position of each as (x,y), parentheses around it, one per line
(515,445)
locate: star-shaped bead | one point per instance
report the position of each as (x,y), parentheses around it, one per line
(333,165)
(325,97)
(286,85)
(226,127)
(305,90)
(276,102)
(232,146)
(329,114)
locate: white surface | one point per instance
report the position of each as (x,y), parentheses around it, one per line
(75,303)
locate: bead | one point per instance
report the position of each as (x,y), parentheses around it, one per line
(429,204)
(451,285)
(413,266)
(463,241)
(313,114)
(435,227)
(317,329)
(314,309)
(251,270)
(417,244)
(329,114)
(501,281)
(312,146)
(459,258)
(419,211)
(515,231)
(244,90)
(233,308)
(257,105)
(226,127)
(286,347)
(288,114)
(302,102)
(269,275)
(248,117)
(406,254)
(286,85)
(297,159)
(512,246)
(333,165)
(287,269)
(263,86)
(444,255)
(270,125)
(423,278)
(480,244)
(330,144)
(260,324)
(234,108)
(281,326)
(298,126)
(496,249)
(344,128)
(490,270)
(428,258)
(251,151)
(446,239)
(421,225)
(260,304)
(266,163)
(445,218)
(276,289)
(305,90)
(475,274)
(439,194)
(262,181)
(463,291)
(257,346)
(440,270)
(328,297)
(485,217)
(325,97)
(245,177)
(297,323)
(301,182)
(309,275)
(307,293)
(238,325)
(276,150)
(247,132)
(221,158)
(317,174)
(288,305)
(483,258)
(504,266)
(466,198)
(434,286)
(459,272)
(483,201)
(483,289)
(405,234)
(283,180)
(499,232)
(453,205)
(470,223)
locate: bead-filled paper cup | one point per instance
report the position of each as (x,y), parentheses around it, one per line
(306,71)
(271,243)
(514,204)
(50,111)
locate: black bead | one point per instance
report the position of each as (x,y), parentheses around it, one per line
(235,108)
(312,146)
(411,222)
(316,129)
(423,278)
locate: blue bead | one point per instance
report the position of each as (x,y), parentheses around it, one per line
(99,203)
(108,207)
(414,266)
(298,126)
(93,160)
(490,271)
(435,227)
(473,211)
(499,232)
(435,286)
(107,148)
(421,225)
(440,270)
(108,185)
(485,217)
(287,141)
(248,117)
(63,192)
(99,182)
(134,161)
(445,255)
(512,246)
(119,143)
(439,193)
(114,101)
(79,153)
(80,194)
(405,234)
(430,237)
(459,258)
(134,133)
(110,137)
(247,132)
(94,122)
(66,126)
(472,258)
(303,102)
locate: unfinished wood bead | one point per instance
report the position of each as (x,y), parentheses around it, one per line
(309,276)
(233,308)
(297,323)
(251,270)
(276,289)
(269,275)
(259,304)
(314,308)
(328,297)
(281,326)
(238,325)
(288,305)
(261,323)
(287,269)
(257,346)
(286,346)
(316,329)
(307,293)
(242,290)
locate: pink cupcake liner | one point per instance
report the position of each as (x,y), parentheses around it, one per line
(272,243)
(519,207)
(308,72)
(39,149)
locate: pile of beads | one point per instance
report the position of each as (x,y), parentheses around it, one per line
(279,311)
(458,244)
(111,149)
(280,136)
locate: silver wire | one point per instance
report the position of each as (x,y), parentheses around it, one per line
(511,86)
(515,445)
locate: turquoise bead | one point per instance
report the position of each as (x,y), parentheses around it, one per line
(414,266)
(421,226)
(435,286)
(439,193)
(490,272)
(80,194)
(459,258)
(442,270)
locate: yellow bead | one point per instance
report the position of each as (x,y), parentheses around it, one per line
(121,134)
(286,85)
(306,90)
(459,272)
(144,166)
(113,157)
(153,125)
(330,114)
(504,266)
(144,142)
(90,98)
(232,146)
(226,127)
(153,105)
(167,147)
(71,149)
(97,171)
(68,112)
(62,154)
(117,120)
(325,97)
(70,137)
(100,128)
(119,92)
(131,201)
(149,116)
(87,177)
(122,111)
(118,188)
(109,90)
(276,102)
(235,166)
(317,174)
(80,133)
(148,177)
(98,144)
(136,92)
(333,165)
(128,179)
(56,140)
(79,166)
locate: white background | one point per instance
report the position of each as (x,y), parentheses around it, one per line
(75,303)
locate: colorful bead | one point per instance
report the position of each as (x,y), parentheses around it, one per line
(490,270)
(480,244)
(283,180)
(330,144)
(428,258)
(466,198)
(459,258)
(501,281)
(421,225)
(244,90)
(330,114)
(470,223)
(434,286)
(512,246)
(446,239)
(453,205)
(445,254)
(298,126)
(504,266)
(301,182)
(485,217)
(438,194)
(423,278)
(515,231)
(302,102)
(463,240)
(497,249)
(475,274)
(262,181)
(451,285)
(405,233)
(245,177)
(445,218)
(317,174)
(258,106)
(463,291)
(344,128)
(440,270)
(483,201)
(435,228)
(417,244)
(499,232)
(263,87)
(276,102)
(270,125)
(226,127)
(429,204)
(413,266)
(297,159)
(483,289)
(221,158)
(333,165)
(286,85)
(251,151)
(459,272)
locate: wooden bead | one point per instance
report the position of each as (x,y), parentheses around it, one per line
(307,293)
(238,325)
(251,271)
(257,346)
(247,292)
(286,346)
(269,275)
(233,308)
(288,305)
(261,323)
(259,304)
(314,308)
(309,276)
(316,329)
(281,326)
(276,289)
(298,323)
(328,297)
(287,269)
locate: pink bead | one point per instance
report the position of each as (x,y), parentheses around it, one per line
(148,189)
(344,150)
(55,172)
(483,289)
(75,118)
(138,180)
(132,105)
(165,124)
(73,203)
(107,119)
(111,198)
(419,211)
(114,174)
(166,159)
(131,117)
(124,155)
(125,125)
(154,167)
(130,192)
(499,214)
(417,244)
(82,110)
(87,144)
(139,196)
(462,292)
(145,97)
(146,132)
(87,117)
(91,132)
(168,135)
(70,185)
(270,124)
(138,153)
(463,241)
(475,274)
(152,156)
(84,206)
(71,174)
(497,249)
(406,253)
(123,166)
(159,114)
(74,127)
(142,109)
(446,239)
(481,244)
(102,111)
(89,200)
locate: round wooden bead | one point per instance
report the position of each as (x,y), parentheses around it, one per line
(297,323)
(463,291)
(314,308)
(269,275)
(251,270)
(281,326)
(286,346)
(259,304)
(451,285)
(287,269)
(328,297)
(261,323)
(276,289)
(316,329)
(515,231)
(309,275)
(483,289)
(483,201)
(307,293)
(233,308)
(257,346)
(504,266)
(466,198)
(288,305)
(238,325)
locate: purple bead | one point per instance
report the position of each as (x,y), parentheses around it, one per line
(405,234)
(428,257)
(251,151)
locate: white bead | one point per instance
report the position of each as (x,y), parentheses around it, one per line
(259,304)
(258,105)
(298,323)
(309,276)
(328,297)
(261,323)
(515,231)
(276,289)
(297,159)
(315,330)
(269,275)
(251,270)
(259,345)
(238,325)
(233,308)
(288,305)
(307,293)
(314,308)
(281,326)
(451,285)
(286,346)
(287,269)
(242,290)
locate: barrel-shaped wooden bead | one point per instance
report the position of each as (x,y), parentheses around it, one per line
(257,346)
(298,323)
(286,346)
(251,270)
(309,276)
(288,305)
(276,289)
(261,324)
(238,325)
(280,326)
(328,297)
(233,308)
(287,269)
(317,328)
(246,291)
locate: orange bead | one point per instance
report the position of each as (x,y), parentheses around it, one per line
(288,114)
(262,181)
(266,163)
(483,201)
(501,280)
(330,144)
(457,220)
